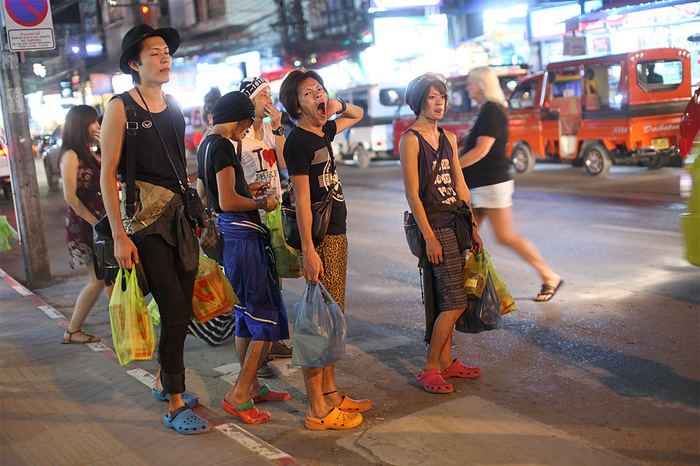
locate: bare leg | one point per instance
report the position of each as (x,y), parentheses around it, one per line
(439,349)
(242,345)
(84,304)
(314,378)
(502,221)
(241,390)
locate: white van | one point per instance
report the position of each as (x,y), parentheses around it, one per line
(373,136)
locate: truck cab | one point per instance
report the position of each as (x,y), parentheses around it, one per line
(598,111)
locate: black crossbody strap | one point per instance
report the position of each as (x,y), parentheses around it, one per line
(206,176)
(433,175)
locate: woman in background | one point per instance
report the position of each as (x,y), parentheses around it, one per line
(485,167)
(80,170)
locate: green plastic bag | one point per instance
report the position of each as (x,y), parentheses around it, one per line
(475,273)
(133,335)
(286,258)
(8,235)
(154,312)
(504,297)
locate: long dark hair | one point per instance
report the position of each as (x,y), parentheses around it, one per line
(76,133)
(288,90)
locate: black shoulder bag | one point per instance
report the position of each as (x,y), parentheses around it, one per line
(210,240)
(414,237)
(104,262)
(320,211)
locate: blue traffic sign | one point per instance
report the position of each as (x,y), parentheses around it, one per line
(27,13)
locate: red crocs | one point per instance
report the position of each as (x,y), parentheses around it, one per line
(433,382)
(457,369)
(270,395)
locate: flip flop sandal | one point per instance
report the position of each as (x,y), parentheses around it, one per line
(247,412)
(185,421)
(433,382)
(457,369)
(549,291)
(354,406)
(187,398)
(91,338)
(270,395)
(335,420)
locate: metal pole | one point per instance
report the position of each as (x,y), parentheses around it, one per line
(27,202)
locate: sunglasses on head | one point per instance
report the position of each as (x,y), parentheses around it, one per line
(433,77)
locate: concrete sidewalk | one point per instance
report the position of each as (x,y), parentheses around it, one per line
(75,404)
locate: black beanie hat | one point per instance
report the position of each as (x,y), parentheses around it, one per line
(234,106)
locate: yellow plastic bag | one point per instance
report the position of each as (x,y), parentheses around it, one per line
(213,294)
(133,335)
(504,296)
(475,273)
(286,258)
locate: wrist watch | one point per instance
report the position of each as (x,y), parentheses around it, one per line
(343,107)
(279,131)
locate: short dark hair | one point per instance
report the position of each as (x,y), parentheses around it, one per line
(288,90)
(136,56)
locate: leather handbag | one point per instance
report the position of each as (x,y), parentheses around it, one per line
(106,266)
(210,241)
(414,237)
(320,211)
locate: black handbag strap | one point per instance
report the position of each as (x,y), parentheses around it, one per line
(131,127)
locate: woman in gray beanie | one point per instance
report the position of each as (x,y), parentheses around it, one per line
(260,316)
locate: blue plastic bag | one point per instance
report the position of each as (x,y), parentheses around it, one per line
(319,329)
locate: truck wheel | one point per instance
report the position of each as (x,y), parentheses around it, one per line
(596,160)
(657,162)
(361,156)
(522,158)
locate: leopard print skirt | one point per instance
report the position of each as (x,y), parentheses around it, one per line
(333,251)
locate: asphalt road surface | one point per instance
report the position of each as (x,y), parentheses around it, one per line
(610,363)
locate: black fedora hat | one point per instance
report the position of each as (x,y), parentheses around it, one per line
(143,31)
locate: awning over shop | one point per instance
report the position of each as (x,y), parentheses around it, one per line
(621,7)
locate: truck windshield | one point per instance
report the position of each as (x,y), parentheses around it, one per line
(524,96)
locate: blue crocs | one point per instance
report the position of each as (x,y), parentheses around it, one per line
(189,399)
(185,421)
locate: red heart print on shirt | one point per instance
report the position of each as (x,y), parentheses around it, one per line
(269,156)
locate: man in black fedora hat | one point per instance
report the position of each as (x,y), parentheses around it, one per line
(160,233)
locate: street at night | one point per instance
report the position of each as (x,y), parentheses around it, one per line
(605,373)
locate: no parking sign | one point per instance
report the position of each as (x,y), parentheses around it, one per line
(29,25)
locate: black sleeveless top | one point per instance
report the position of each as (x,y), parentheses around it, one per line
(442,190)
(152,164)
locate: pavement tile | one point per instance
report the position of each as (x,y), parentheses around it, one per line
(82,449)
(126,408)
(201,450)
(129,459)
(118,389)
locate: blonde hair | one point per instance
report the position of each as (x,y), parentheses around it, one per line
(485,77)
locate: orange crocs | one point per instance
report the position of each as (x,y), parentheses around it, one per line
(354,406)
(247,412)
(336,420)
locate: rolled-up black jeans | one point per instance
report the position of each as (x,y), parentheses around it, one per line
(172,287)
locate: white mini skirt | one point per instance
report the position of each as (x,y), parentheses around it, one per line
(495,196)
